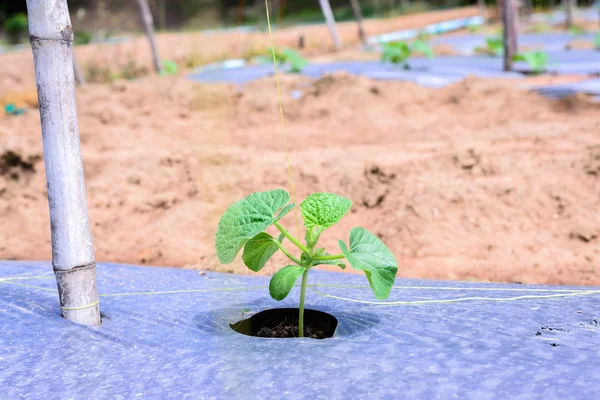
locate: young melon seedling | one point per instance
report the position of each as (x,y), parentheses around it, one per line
(494,46)
(287,57)
(597,41)
(244,223)
(536,60)
(399,52)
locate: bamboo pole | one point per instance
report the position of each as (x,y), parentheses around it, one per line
(148,24)
(328,14)
(73,260)
(482,10)
(509,33)
(358,15)
(568,6)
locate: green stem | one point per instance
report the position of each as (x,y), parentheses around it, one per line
(329,257)
(302,296)
(292,239)
(284,251)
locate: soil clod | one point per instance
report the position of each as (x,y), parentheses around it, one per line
(290,330)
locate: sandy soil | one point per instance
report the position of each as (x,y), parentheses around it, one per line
(191,49)
(482,180)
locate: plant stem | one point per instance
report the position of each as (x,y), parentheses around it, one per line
(284,251)
(329,257)
(302,296)
(292,238)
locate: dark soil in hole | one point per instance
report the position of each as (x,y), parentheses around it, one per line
(290,330)
(283,323)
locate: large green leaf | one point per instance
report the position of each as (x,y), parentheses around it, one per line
(284,280)
(246,218)
(323,210)
(368,253)
(259,250)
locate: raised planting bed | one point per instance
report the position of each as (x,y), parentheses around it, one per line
(167,333)
(550,41)
(436,72)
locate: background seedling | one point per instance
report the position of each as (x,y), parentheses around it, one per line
(399,52)
(244,223)
(536,60)
(577,30)
(597,41)
(288,57)
(15,27)
(472,28)
(494,46)
(170,67)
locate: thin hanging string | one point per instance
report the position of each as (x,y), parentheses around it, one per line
(287,154)
(456,300)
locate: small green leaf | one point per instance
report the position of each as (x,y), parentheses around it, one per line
(368,253)
(311,236)
(246,218)
(259,250)
(323,210)
(423,47)
(284,280)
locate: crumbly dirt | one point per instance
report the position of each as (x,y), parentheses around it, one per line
(191,49)
(481,180)
(289,329)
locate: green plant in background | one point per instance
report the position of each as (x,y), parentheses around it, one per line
(82,37)
(399,52)
(15,27)
(577,30)
(423,36)
(169,67)
(287,57)
(244,223)
(537,61)
(597,41)
(494,46)
(540,27)
(472,28)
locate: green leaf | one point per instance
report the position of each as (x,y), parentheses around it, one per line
(285,210)
(368,253)
(169,67)
(422,47)
(284,280)
(246,218)
(259,250)
(323,210)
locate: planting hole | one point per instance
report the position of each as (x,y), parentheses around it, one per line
(283,323)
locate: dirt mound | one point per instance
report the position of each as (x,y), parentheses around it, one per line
(481,180)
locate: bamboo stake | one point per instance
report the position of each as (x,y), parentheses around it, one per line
(328,14)
(51,38)
(568,6)
(509,33)
(482,10)
(148,24)
(358,15)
